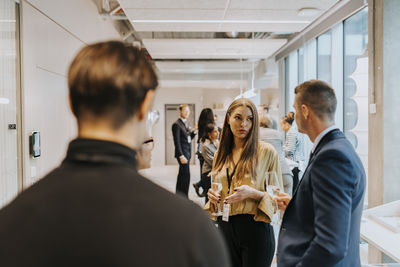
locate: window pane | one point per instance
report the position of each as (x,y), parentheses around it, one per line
(355,82)
(287,75)
(324,55)
(300,54)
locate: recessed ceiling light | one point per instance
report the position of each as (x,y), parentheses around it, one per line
(307,12)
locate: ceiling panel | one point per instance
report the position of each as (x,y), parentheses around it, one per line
(281,5)
(205,84)
(181,4)
(205,66)
(264,27)
(176,27)
(212,49)
(267,14)
(218,27)
(173,14)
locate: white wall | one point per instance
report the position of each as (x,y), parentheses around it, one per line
(51,34)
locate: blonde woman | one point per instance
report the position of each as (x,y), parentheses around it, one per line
(241,163)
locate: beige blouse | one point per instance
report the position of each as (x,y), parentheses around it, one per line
(262,210)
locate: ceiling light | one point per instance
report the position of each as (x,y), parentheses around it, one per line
(307,12)
(222,21)
(232,34)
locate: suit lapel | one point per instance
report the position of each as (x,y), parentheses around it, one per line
(183,126)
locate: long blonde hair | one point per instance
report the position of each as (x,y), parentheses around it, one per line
(248,160)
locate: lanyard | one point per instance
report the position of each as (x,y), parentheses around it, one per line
(230,177)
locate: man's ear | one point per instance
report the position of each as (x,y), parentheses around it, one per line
(146,105)
(305,111)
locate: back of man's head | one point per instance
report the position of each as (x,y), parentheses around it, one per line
(265,122)
(109,80)
(182,106)
(319,97)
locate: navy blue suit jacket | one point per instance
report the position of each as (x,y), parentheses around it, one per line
(321,225)
(181,134)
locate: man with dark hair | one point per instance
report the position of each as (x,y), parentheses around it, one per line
(95,209)
(183,137)
(321,224)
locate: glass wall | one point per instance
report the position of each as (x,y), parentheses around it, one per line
(338,57)
(300,54)
(355,84)
(324,57)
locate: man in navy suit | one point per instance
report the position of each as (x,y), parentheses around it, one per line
(321,224)
(183,137)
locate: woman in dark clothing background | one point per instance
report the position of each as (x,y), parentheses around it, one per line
(206,117)
(210,145)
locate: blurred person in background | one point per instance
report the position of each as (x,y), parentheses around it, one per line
(263,110)
(210,145)
(275,138)
(183,136)
(206,117)
(293,147)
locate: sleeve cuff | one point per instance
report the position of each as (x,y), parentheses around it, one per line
(210,209)
(265,209)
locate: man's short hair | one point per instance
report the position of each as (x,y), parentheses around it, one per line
(319,96)
(109,80)
(265,122)
(183,106)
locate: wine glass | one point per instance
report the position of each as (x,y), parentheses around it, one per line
(273,188)
(216,186)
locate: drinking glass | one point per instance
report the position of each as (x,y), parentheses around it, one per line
(273,188)
(216,186)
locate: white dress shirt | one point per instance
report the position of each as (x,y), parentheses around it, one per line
(321,135)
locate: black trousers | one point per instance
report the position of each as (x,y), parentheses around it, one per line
(183,181)
(200,183)
(206,183)
(250,243)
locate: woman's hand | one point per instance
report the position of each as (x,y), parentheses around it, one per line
(244,192)
(213,196)
(283,200)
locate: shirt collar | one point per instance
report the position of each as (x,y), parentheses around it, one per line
(97,151)
(321,135)
(182,119)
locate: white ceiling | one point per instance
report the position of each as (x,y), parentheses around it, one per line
(223,15)
(209,84)
(196,67)
(210,16)
(212,48)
